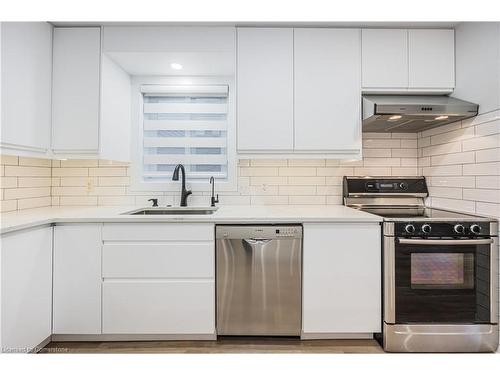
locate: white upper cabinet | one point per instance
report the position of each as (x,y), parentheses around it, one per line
(327,73)
(26,60)
(400,60)
(299,92)
(385,58)
(265,89)
(431,59)
(76,89)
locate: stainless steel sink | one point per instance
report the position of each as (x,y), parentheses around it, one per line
(173,211)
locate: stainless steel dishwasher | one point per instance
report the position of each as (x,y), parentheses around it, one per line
(258,278)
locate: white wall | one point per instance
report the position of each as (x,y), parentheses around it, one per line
(115,111)
(478,64)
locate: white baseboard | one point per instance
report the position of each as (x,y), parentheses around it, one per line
(134,337)
(333,336)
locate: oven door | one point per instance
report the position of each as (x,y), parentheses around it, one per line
(442,281)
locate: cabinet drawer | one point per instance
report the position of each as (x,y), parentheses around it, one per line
(158,260)
(158,232)
(159,307)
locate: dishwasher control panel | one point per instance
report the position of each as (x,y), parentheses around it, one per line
(286,232)
(258,232)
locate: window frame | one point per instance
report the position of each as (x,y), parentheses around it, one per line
(136,183)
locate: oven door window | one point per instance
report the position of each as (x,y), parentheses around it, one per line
(442,271)
(442,283)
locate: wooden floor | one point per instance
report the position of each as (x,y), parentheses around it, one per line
(223,345)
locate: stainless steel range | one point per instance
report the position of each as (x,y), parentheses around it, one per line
(440,269)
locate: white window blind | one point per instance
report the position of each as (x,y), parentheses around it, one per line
(185,125)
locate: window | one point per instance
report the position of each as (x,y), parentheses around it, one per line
(184,124)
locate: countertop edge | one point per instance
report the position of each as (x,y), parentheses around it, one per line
(232,219)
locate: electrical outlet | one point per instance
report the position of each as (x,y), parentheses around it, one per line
(90,185)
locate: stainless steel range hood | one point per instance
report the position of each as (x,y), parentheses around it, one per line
(412,113)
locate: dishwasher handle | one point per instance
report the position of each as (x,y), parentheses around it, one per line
(257,241)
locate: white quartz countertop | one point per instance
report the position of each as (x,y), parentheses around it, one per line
(18,220)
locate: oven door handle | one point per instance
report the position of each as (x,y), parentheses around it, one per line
(413,241)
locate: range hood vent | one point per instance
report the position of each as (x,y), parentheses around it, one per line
(412,113)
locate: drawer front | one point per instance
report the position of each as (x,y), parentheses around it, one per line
(158,260)
(158,232)
(159,307)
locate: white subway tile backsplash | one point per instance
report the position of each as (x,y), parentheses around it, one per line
(34,162)
(27,171)
(447,148)
(372,171)
(452,136)
(335,171)
(306,162)
(34,202)
(480,143)
(482,169)
(408,143)
(20,193)
(34,181)
(488,128)
(441,129)
(457,158)
(453,204)
(382,162)
(297,190)
(482,195)
(378,153)
(382,143)
(70,172)
(404,152)
(297,171)
(445,192)
(488,182)
(452,181)
(445,170)
(259,171)
(492,154)
(268,180)
(311,199)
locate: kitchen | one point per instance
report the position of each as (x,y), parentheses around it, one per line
(326,189)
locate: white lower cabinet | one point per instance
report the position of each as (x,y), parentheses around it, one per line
(77,279)
(341,278)
(158,279)
(159,306)
(26,289)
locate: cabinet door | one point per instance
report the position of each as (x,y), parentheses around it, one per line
(26,53)
(342,278)
(327,68)
(265,89)
(385,58)
(159,306)
(77,279)
(431,58)
(26,270)
(76,87)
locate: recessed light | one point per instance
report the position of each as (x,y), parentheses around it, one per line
(441,118)
(176,66)
(395,117)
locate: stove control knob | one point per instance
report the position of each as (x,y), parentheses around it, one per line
(476,229)
(403,186)
(426,228)
(459,228)
(409,228)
